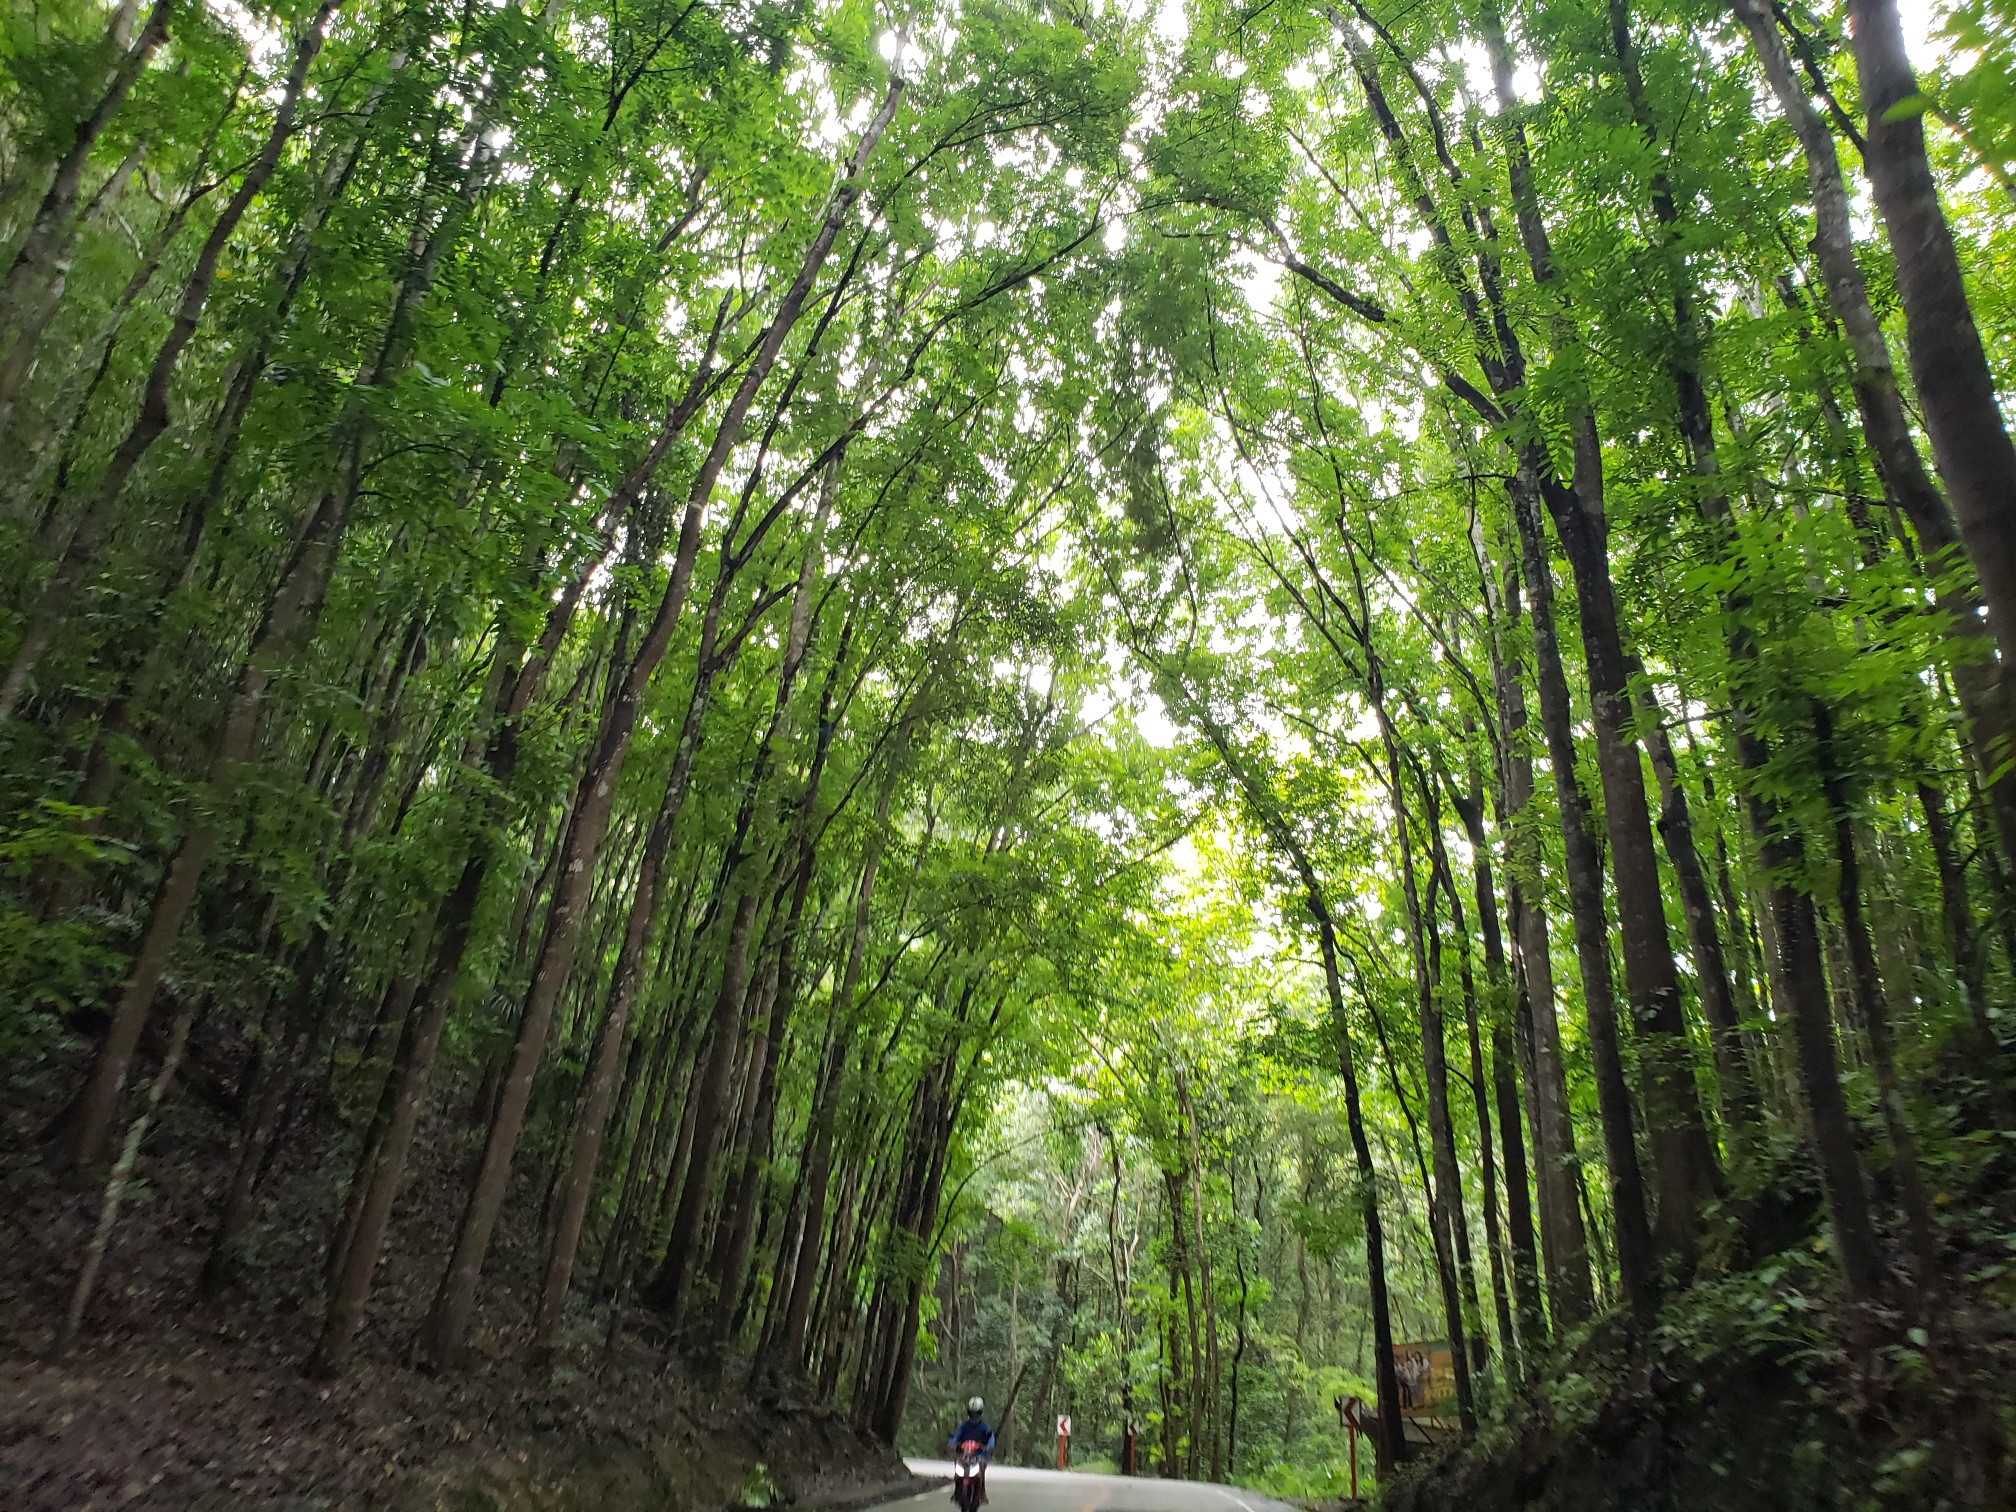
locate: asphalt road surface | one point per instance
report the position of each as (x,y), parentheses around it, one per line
(1014,1490)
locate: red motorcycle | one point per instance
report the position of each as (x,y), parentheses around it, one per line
(969,1470)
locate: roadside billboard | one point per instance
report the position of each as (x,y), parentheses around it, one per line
(1426,1373)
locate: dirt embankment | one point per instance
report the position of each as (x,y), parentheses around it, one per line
(168,1403)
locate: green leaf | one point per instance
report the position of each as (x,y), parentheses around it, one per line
(1908,109)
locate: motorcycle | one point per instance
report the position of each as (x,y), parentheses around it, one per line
(967,1470)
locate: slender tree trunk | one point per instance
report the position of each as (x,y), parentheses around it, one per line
(672,1285)
(60,594)
(835,1289)
(1494,1234)
(801,1271)
(1391,1442)
(1956,391)
(1198,1388)
(919,1225)
(398,1004)
(515,681)
(682,1144)
(1239,1349)
(1684,1163)
(1866,987)
(380,1179)
(1210,1396)
(648,1147)
(33,284)
(1683,1160)
(741,1191)
(782,993)
(1532,1326)
(1885,424)
(513,684)
(1564,1244)
(1964,945)
(1444,1197)
(121,1177)
(586,1141)
(1585,896)
(819,1160)
(290,619)
(1704,937)
(1802,977)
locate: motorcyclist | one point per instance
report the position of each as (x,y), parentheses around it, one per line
(975,1430)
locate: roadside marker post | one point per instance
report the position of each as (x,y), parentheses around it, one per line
(1350,1413)
(1063,1438)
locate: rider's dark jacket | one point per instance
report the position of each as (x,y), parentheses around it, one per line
(975,1429)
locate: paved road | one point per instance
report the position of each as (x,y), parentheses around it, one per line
(1013,1490)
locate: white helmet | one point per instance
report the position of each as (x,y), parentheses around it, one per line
(976,1406)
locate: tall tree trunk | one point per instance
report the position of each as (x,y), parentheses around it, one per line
(1196,1397)
(1494,1234)
(783,988)
(1802,980)
(1964,945)
(1585,897)
(1532,1326)
(1564,1245)
(1885,425)
(1683,1160)
(515,681)
(1444,1195)
(121,1177)
(818,1168)
(33,284)
(918,1222)
(673,1283)
(1704,936)
(648,1147)
(1956,391)
(290,619)
(60,594)
(1211,1395)
(799,1270)
(741,1193)
(1390,1442)
(1866,988)
(585,1143)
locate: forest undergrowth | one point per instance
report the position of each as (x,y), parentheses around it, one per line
(1760,1389)
(184,1403)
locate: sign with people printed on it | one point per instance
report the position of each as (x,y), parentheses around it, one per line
(1426,1373)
